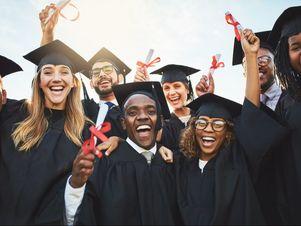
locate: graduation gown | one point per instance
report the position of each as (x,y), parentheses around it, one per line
(125,190)
(33,182)
(287,162)
(171,132)
(113,117)
(230,181)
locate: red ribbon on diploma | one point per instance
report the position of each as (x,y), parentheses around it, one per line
(215,64)
(89,145)
(150,64)
(230,20)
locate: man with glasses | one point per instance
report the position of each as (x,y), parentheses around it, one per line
(270,91)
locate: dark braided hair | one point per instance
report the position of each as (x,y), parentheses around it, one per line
(289,79)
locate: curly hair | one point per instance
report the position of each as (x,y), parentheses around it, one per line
(188,144)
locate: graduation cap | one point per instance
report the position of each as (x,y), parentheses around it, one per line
(8,66)
(287,24)
(175,73)
(152,89)
(238,53)
(104,55)
(57,53)
(214,106)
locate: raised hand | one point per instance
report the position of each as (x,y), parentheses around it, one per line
(250,42)
(141,75)
(48,28)
(203,87)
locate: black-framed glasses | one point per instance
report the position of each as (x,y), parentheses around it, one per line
(217,125)
(107,69)
(263,60)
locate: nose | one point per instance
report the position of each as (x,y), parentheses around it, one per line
(142,116)
(57,76)
(209,128)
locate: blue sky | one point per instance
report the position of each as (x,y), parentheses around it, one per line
(181,32)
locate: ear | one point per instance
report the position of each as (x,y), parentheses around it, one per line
(122,121)
(74,84)
(120,79)
(4,96)
(91,84)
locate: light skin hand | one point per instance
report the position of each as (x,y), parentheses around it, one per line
(48,28)
(141,75)
(166,154)
(110,145)
(203,87)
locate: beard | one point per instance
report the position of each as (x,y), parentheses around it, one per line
(103,92)
(265,86)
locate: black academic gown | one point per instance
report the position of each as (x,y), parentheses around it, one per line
(125,190)
(287,162)
(230,182)
(266,185)
(113,117)
(171,131)
(33,183)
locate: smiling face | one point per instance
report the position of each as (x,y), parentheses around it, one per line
(209,140)
(294,48)
(265,60)
(104,76)
(56,82)
(140,117)
(176,94)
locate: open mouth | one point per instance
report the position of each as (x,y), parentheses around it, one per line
(208,141)
(262,73)
(174,100)
(57,89)
(144,131)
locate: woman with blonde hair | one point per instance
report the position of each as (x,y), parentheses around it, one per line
(40,138)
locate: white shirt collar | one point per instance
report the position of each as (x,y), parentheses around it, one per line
(202,164)
(140,149)
(273,91)
(113,101)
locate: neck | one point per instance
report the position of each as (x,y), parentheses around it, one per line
(60,106)
(205,157)
(180,112)
(109,97)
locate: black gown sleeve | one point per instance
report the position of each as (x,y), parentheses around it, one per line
(87,212)
(257,132)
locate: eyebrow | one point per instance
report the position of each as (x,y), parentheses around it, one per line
(136,107)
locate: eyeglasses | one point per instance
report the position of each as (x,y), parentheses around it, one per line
(108,69)
(263,60)
(217,125)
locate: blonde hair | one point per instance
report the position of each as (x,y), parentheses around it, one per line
(30,132)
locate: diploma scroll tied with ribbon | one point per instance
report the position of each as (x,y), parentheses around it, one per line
(215,64)
(148,63)
(61,5)
(89,146)
(237,26)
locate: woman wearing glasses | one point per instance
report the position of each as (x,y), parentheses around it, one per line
(221,150)
(40,138)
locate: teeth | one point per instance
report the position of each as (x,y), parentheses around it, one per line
(143,127)
(57,88)
(208,139)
